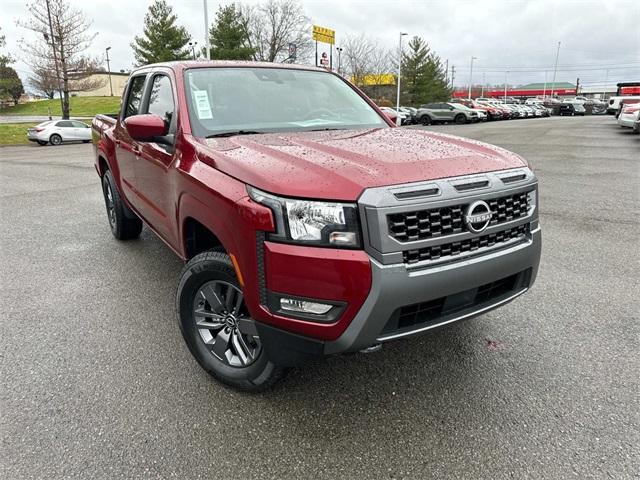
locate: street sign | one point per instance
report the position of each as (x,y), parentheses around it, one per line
(324,35)
(324,60)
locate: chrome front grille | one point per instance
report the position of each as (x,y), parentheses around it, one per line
(437,222)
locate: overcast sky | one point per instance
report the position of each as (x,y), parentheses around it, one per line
(600,39)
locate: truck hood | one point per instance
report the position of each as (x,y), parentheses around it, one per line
(339,165)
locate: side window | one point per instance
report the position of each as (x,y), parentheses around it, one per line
(77,124)
(134,97)
(65,124)
(161,99)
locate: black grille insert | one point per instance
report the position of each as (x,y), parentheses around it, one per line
(452,249)
(437,222)
(433,311)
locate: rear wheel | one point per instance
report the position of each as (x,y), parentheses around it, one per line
(124,224)
(55,139)
(42,143)
(460,119)
(216,325)
(425,120)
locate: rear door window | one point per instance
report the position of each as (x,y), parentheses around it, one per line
(65,124)
(134,96)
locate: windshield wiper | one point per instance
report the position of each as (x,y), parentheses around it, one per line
(326,129)
(233,133)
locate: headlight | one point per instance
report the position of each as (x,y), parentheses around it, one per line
(308,222)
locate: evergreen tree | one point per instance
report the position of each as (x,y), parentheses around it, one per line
(163,40)
(10,84)
(423,76)
(228,36)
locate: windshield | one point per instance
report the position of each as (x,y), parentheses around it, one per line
(273,100)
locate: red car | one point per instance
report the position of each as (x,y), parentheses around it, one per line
(309,224)
(493,112)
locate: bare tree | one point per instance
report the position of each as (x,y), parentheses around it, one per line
(271,26)
(366,61)
(71,38)
(44,80)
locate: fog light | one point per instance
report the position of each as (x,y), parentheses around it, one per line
(343,238)
(303,306)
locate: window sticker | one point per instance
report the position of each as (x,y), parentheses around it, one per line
(203,107)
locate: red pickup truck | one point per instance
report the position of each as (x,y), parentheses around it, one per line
(310,225)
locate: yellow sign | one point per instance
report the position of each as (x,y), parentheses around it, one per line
(373,79)
(324,35)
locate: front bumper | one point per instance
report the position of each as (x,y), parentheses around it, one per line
(395,287)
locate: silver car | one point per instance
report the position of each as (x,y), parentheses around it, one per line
(57,131)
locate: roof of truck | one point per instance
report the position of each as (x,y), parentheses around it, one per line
(186,64)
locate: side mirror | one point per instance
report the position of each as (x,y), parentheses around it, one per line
(145,127)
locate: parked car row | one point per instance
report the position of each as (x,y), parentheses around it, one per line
(463,111)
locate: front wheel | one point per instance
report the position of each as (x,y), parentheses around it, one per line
(460,119)
(216,325)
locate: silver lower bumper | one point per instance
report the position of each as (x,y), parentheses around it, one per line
(395,286)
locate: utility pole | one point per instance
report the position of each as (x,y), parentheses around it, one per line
(339,50)
(453,75)
(55,58)
(206,32)
(577,86)
(604,89)
(471,76)
(555,70)
(544,89)
(483,83)
(109,70)
(446,72)
(398,121)
(505,86)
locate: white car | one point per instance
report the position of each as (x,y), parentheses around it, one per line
(57,131)
(629,115)
(614,102)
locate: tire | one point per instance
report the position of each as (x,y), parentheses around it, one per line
(42,143)
(122,221)
(425,120)
(86,141)
(55,139)
(213,272)
(460,119)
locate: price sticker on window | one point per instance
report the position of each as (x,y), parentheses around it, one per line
(203,107)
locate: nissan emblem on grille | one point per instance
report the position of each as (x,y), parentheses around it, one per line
(478,216)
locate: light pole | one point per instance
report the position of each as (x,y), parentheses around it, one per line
(544,89)
(109,70)
(402,34)
(206,32)
(555,69)
(193,48)
(339,50)
(471,76)
(484,79)
(505,86)
(55,58)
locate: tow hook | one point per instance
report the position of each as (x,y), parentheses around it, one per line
(372,349)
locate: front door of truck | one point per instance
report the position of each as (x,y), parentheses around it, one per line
(155,159)
(127,148)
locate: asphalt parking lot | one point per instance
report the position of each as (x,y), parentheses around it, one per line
(96,382)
